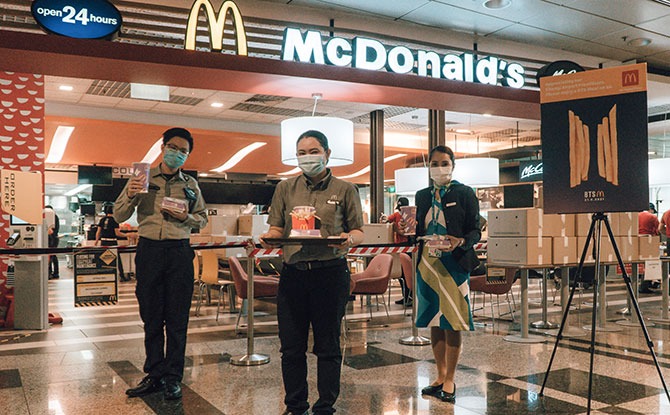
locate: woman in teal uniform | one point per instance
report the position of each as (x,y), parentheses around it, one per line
(448,210)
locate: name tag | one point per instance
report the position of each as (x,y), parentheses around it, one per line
(333,202)
(450,204)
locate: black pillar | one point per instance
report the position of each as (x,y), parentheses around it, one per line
(436,132)
(376,165)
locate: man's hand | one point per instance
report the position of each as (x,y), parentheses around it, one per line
(180,215)
(136,185)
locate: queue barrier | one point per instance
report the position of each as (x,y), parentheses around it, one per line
(251,358)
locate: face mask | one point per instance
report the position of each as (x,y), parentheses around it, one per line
(174,159)
(441,175)
(312,164)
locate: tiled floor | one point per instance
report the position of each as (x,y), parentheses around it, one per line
(85,365)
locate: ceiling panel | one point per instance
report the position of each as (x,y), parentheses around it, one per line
(392,9)
(572,23)
(460,20)
(635,13)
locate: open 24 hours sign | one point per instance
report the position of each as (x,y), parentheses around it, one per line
(82,19)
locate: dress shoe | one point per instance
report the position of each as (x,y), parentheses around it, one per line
(445,396)
(431,389)
(146,386)
(287,412)
(172,390)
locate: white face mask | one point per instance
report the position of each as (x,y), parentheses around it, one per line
(441,175)
(312,164)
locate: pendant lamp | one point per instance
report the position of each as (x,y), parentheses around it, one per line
(339,131)
(410,180)
(477,171)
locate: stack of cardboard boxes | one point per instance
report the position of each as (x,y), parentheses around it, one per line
(529,237)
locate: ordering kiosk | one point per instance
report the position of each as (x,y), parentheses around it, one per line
(30,273)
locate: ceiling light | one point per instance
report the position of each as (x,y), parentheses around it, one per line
(59,143)
(237,157)
(338,131)
(66,88)
(463,131)
(152,92)
(477,171)
(78,189)
(367,168)
(486,115)
(497,4)
(153,152)
(640,41)
(217,104)
(409,181)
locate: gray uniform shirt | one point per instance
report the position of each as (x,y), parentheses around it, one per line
(338,207)
(152,223)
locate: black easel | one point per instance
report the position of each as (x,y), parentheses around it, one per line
(599,219)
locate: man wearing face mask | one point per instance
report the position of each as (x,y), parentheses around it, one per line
(447,213)
(315,280)
(164,261)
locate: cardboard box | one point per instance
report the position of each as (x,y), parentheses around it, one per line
(624,223)
(564,250)
(519,251)
(628,247)
(378,233)
(606,249)
(220,225)
(558,225)
(200,239)
(515,222)
(648,247)
(253,225)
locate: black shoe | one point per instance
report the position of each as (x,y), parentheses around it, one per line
(431,390)
(446,396)
(172,390)
(409,304)
(146,386)
(401,301)
(287,412)
(646,291)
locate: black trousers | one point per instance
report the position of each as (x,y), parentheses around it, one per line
(53,259)
(164,272)
(317,297)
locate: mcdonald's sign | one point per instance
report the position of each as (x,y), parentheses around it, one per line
(629,78)
(217,24)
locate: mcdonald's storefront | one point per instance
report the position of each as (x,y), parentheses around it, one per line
(239,49)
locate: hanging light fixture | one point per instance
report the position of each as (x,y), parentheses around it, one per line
(477,171)
(410,180)
(340,134)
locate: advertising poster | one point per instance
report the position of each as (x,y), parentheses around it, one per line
(22,195)
(594,140)
(95,278)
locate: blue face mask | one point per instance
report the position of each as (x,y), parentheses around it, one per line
(312,164)
(174,159)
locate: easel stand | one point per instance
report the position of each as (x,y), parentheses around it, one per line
(598,219)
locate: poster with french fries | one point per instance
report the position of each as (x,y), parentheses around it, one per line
(594,140)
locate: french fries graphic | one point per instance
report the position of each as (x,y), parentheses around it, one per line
(607,149)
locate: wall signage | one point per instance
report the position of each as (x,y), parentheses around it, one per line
(82,19)
(558,68)
(359,52)
(217,24)
(594,141)
(370,54)
(530,171)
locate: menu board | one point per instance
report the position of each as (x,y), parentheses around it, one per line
(95,281)
(594,140)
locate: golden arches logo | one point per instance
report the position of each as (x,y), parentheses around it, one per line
(217,24)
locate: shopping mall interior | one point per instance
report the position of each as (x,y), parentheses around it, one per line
(235,106)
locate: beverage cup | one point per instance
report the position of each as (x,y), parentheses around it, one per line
(142,169)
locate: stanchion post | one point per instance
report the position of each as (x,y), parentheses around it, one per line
(251,358)
(415,339)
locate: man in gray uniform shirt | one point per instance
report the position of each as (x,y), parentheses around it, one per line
(164,261)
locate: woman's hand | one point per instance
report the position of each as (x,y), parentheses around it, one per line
(454,242)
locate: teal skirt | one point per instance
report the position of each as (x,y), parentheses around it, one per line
(443,294)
